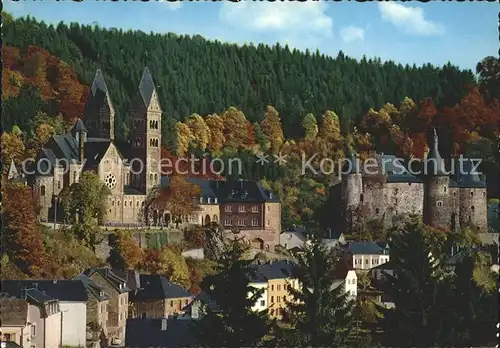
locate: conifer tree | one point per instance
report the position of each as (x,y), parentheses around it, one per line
(233,324)
(321,313)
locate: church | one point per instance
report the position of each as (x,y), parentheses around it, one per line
(131,169)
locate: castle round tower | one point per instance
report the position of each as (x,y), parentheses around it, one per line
(352,191)
(438,208)
(473,198)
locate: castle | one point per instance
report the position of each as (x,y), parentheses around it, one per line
(131,169)
(390,193)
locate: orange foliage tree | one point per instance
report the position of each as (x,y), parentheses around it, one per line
(23,238)
(125,253)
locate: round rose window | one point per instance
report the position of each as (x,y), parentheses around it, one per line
(110,181)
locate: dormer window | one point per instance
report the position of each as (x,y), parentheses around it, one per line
(121,285)
(215,200)
(201,200)
(209,200)
(101,294)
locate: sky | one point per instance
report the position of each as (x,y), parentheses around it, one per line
(405,32)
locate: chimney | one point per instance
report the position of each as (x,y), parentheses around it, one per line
(81,143)
(54,281)
(270,195)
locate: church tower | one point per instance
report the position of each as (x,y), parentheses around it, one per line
(146,135)
(438,208)
(99,112)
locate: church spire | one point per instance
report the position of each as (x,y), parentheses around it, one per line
(146,87)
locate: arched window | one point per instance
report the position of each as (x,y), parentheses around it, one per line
(137,203)
(151,177)
(156,177)
(472,193)
(113,203)
(472,208)
(377,211)
(439,203)
(445,189)
(130,203)
(125,203)
(118,203)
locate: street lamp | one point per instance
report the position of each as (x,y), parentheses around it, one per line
(55,210)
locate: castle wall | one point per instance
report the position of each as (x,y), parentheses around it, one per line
(43,188)
(473,208)
(272,220)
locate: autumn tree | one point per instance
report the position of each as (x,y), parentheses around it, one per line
(271,126)
(23,239)
(235,128)
(125,252)
(199,130)
(173,266)
(310,126)
(215,125)
(12,148)
(178,197)
(184,138)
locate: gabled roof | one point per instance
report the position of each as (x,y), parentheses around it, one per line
(365,248)
(113,279)
(131,276)
(79,127)
(16,289)
(62,290)
(92,287)
(94,151)
(14,311)
(146,87)
(156,287)
(204,185)
(273,270)
(98,83)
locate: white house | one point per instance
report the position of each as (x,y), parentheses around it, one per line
(72,301)
(261,303)
(364,255)
(349,279)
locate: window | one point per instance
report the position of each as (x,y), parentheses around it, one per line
(366,261)
(241,222)
(151,177)
(241,209)
(472,208)
(272,311)
(113,203)
(445,189)
(156,177)
(118,203)
(278,287)
(137,203)
(130,203)
(255,222)
(377,211)
(272,287)
(59,185)
(171,303)
(272,299)
(268,208)
(262,303)
(33,330)
(439,203)
(228,222)
(361,198)
(278,299)
(125,203)
(472,193)
(255,209)
(228,208)
(284,298)
(42,190)
(373,261)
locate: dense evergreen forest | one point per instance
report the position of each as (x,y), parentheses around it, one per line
(196,75)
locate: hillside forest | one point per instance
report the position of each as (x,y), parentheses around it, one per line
(222,100)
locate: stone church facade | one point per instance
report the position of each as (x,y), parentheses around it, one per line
(132,169)
(390,193)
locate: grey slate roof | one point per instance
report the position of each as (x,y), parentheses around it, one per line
(156,287)
(112,278)
(391,166)
(79,127)
(434,161)
(466,175)
(230,191)
(146,87)
(145,333)
(14,311)
(99,83)
(62,290)
(94,151)
(365,248)
(273,270)
(95,289)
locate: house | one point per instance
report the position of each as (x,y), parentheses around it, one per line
(159,298)
(156,332)
(200,305)
(347,278)
(280,279)
(97,304)
(259,282)
(364,255)
(292,238)
(117,291)
(72,299)
(379,273)
(30,317)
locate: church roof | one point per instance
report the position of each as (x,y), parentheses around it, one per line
(79,127)
(99,83)
(93,152)
(146,87)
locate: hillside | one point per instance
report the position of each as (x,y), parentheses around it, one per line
(196,75)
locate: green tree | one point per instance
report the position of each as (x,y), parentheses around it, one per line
(310,126)
(233,324)
(321,313)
